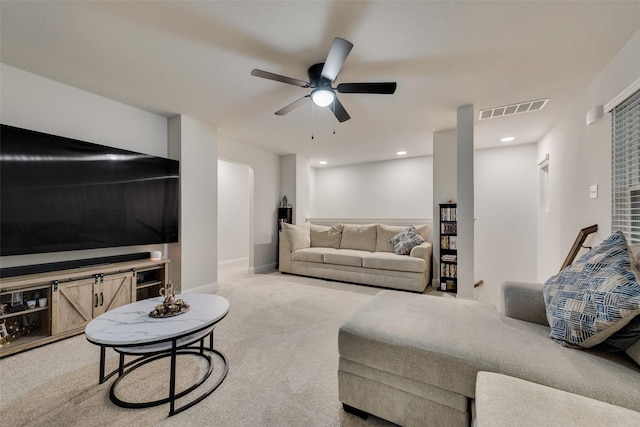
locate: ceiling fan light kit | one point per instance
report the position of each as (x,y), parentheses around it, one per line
(321,78)
(322,96)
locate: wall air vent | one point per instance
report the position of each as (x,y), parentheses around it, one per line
(508,110)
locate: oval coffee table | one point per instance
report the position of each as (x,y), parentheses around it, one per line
(129,330)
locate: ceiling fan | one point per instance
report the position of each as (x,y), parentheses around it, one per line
(321,77)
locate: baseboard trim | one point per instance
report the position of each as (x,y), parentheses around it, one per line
(234,262)
(263,268)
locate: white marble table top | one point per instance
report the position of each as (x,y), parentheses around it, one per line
(131,324)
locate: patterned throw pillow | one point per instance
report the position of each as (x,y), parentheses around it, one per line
(405,240)
(594,297)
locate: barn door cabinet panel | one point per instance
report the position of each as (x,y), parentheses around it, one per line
(66,300)
(79,301)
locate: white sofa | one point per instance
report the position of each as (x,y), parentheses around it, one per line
(356,253)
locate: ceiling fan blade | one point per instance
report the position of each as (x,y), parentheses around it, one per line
(338,53)
(295,104)
(383,88)
(339,111)
(278,78)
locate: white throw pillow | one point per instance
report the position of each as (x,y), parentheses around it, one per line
(384,235)
(326,237)
(299,235)
(360,237)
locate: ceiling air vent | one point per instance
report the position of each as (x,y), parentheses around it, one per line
(508,110)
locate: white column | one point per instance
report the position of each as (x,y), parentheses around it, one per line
(465,202)
(194,260)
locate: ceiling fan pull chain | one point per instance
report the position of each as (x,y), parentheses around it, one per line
(334,116)
(312,116)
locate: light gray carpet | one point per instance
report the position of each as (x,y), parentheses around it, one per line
(280,338)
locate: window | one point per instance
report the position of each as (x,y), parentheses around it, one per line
(625,168)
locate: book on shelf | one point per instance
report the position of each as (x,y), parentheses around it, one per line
(449,242)
(449,228)
(449,270)
(448,285)
(449,258)
(448,214)
(453,242)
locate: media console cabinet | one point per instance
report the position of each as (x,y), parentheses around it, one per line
(41,308)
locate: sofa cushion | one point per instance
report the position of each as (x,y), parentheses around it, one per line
(298,235)
(406,240)
(384,233)
(349,257)
(360,237)
(424,230)
(503,401)
(310,254)
(634,352)
(326,237)
(594,297)
(391,261)
(624,338)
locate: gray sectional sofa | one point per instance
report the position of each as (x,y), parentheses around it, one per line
(414,360)
(356,253)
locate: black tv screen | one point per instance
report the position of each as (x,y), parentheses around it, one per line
(61,194)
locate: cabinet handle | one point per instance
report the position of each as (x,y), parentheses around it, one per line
(96,304)
(101,299)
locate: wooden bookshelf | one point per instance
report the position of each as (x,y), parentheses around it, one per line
(448,247)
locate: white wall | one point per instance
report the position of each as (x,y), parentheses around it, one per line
(303,188)
(33,102)
(389,189)
(580,156)
(233,211)
(445,185)
(505,218)
(289,183)
(266,190)
(505,205)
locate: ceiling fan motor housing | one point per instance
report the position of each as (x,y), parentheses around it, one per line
(315,76)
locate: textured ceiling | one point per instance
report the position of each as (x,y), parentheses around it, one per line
(195,58)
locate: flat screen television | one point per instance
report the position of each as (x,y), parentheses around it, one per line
(61,194)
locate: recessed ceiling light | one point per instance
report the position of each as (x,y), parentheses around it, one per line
(507,139)
(322,162)
(401,153)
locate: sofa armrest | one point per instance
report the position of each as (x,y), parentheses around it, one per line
(284,253)
(524,301)
(425,251)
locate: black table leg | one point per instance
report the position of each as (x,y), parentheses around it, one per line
(121,365)
(172,380)
(102,356)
